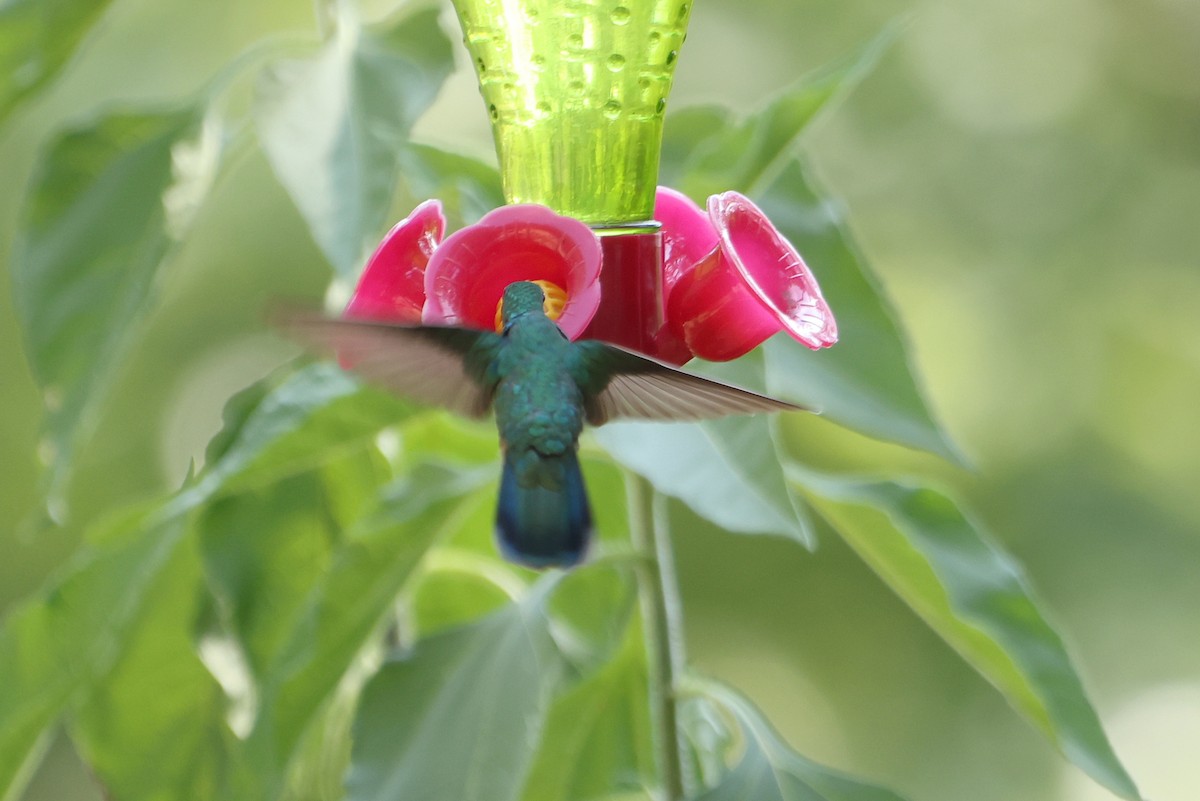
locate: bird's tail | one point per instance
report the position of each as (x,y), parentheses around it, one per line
(543,519)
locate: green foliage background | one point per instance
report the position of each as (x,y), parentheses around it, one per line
(1025,178)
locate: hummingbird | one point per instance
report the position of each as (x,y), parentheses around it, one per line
(543,388)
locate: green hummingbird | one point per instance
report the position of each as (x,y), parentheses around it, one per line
(543,388)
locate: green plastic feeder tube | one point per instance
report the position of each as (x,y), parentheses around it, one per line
(576,91)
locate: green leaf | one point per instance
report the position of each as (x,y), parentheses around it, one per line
(63,644)
(687,132)
(344,609)
(598,741)
(589,613)
(105,205)
(467,188)
(333,126)
(458,588)
(321,760)
(440,435)
(976,598)
(706,151)
(155,728)
(865,381)
(37,37)
(461,716)
(305,551)
(286,426)
(769,770)
(264,550)
(728,471)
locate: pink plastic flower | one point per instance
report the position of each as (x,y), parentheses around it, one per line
(391,288)
(415,277)
(468,273)
(731,280)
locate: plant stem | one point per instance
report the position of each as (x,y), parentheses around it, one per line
(662,618)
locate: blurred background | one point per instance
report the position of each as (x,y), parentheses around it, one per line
(1025,180)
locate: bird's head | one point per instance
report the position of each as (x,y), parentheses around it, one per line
(521,297)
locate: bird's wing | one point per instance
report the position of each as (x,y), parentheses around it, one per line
(620,383)
(436,365)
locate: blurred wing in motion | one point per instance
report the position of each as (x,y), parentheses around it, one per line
(620,383)
(439,366)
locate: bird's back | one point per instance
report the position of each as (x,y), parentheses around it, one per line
(538,404)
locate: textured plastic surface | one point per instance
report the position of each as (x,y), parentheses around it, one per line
(467,275)
(392,286)
(576,92)
(752,285)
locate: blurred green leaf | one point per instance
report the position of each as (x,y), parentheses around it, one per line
(345,609)
(305,549)
(706,151)
(708,737)
(439,434)
(597,743)
(769,770)
(155,728)
(37,38)
(105,205)
(687,132)
(973,594)
(467,188)
(441,438)
(333,126)
(728,471)
(322,758)
(62,644)
(285,426)
(865,381)
(589,613)
(101,614)
(462,588)
(264,550)
(606,482)
(461,716)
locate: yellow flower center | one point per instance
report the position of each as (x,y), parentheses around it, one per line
(555,302)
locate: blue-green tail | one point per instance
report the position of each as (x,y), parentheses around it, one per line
(542,518)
